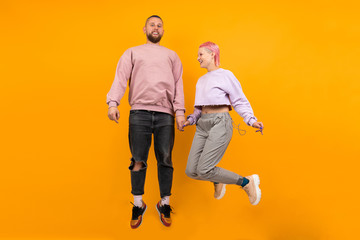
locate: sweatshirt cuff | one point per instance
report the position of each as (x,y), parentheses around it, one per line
(252,121)
(112,104)
(191,120)
(180,112)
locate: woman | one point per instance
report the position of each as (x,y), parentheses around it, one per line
(216,92)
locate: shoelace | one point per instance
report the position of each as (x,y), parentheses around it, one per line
(136,211)
(167,209)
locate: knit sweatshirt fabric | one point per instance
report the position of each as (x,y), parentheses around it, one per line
(221,87)
(154,75)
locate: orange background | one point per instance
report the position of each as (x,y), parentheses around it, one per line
(64,173)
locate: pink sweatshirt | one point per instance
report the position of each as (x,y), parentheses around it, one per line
(155,80)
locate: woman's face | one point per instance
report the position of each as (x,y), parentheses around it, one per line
(205,57)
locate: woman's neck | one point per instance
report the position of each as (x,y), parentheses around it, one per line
(212,68)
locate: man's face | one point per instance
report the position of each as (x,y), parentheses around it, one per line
(154,29)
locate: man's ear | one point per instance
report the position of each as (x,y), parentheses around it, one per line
(144,30)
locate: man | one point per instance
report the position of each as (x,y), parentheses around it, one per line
(155,96)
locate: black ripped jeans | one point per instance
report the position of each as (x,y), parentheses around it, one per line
(142,124)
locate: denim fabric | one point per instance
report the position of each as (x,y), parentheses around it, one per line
(142,125)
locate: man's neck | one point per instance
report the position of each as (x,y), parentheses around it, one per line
(149,42)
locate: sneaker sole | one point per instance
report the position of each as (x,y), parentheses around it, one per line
(142,218)
(160,217)
(256,179)
(223,190)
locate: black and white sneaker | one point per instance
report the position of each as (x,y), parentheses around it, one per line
(164,214)
(137,215)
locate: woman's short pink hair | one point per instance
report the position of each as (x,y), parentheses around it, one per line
(212,47)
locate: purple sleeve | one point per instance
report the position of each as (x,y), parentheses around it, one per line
(238,99)
(194,117)
(123,73)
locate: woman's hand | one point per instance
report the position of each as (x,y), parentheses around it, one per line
(258,125)
(186,123)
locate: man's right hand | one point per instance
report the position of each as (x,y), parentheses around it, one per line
(114,114)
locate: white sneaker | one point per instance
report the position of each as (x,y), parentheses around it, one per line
(252,189)
(220,189)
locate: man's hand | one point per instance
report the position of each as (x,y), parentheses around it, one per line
(114,114)
(180,122)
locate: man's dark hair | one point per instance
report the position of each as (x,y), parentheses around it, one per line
(156,16)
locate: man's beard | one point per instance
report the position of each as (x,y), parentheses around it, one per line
(154,39)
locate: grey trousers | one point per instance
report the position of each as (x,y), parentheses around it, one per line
(212,136)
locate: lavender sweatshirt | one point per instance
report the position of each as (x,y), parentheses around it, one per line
(155,80)
(220,87)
